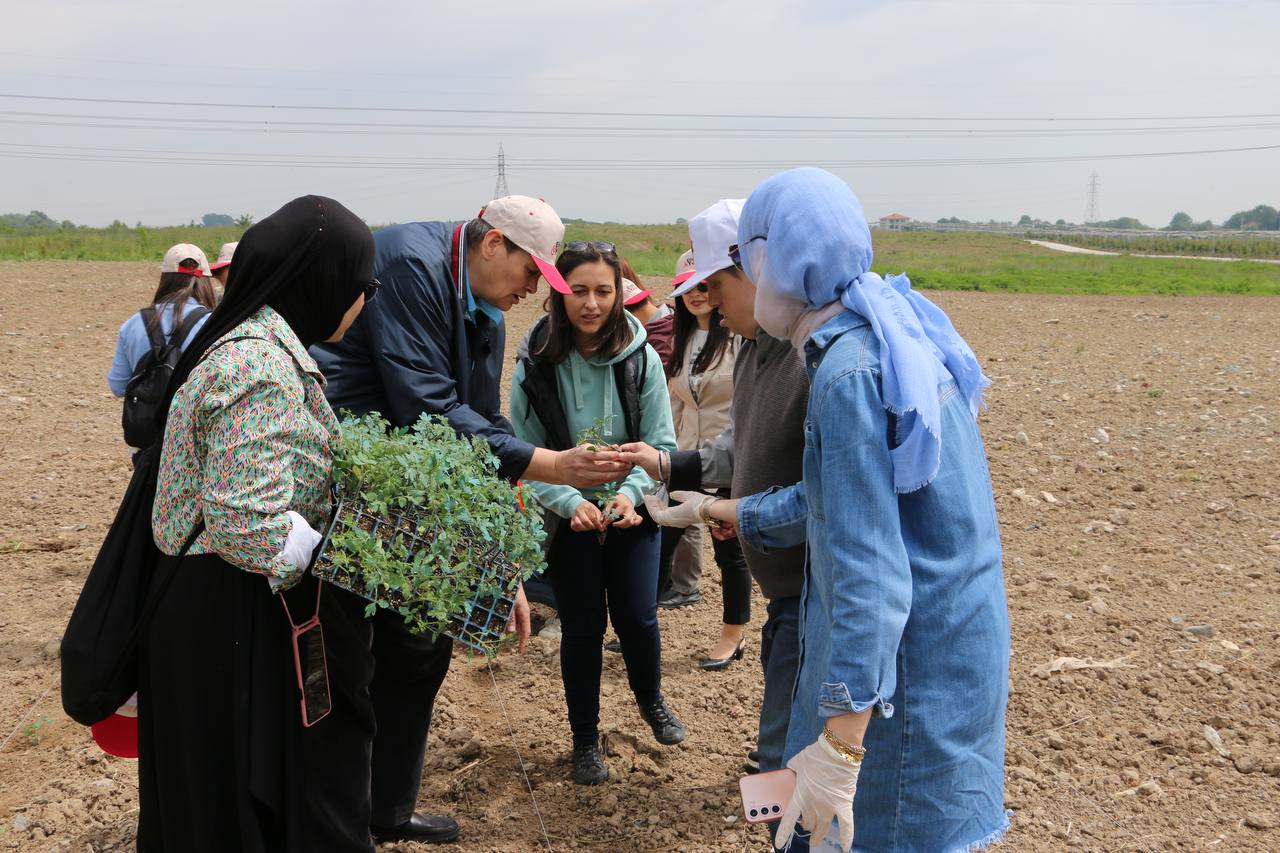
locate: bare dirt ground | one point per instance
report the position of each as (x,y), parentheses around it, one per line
(1133,447)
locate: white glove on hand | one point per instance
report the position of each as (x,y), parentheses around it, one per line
(301,543)
(825,785)
(684,515)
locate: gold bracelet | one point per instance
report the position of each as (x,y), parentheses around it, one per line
(850,753)
(704,511)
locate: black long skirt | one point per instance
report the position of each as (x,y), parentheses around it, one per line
(225,763)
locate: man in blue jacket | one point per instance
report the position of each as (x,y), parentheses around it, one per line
(433,341)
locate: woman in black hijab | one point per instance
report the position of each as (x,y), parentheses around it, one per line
(254,736)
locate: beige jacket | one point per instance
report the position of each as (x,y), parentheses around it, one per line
(706,417)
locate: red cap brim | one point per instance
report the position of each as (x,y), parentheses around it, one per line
(117,735)
(639,297)
(551,274)
(216,267)
(682,278)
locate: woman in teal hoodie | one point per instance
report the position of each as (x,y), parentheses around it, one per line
(587,375)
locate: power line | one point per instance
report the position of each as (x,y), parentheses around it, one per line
(619,113)
(533,165)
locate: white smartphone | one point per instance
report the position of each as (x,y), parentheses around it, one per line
(765,796)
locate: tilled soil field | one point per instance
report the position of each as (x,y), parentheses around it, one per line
(1133,446)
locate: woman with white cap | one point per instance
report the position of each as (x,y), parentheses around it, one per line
(899,707)
(221,268)
(178,309)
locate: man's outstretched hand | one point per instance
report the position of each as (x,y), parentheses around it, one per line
(584,468)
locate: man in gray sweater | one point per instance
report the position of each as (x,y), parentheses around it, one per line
(762,447)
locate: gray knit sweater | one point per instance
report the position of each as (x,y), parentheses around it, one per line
(762,447)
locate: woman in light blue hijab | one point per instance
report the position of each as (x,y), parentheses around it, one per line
(905,627)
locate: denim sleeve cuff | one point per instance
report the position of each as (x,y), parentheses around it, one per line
(749,521)
(834,700)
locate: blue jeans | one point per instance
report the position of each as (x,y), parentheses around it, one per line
(595,584)
(780,659)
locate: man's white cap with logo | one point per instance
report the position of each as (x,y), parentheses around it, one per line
(182,252)
(712,231)
(224,256)
(532,225)
(684,269)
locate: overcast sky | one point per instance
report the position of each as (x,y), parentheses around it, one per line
(866,84)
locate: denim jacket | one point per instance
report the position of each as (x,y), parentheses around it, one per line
(904,605)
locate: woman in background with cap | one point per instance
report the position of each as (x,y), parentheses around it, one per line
(184,291)
(700,383)
(897,731)
(221,268)
(658,319)
(232,754)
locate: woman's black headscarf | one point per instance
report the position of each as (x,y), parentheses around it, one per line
(309,261)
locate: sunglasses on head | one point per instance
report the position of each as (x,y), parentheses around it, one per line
(370,289)
(586,247)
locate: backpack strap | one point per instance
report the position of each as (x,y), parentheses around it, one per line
(180,333)
(151,324)
(629,376)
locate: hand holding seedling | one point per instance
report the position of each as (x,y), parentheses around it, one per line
(622,512)
(587,517)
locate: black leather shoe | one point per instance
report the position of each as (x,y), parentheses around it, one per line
(422,828)
(588,766)
(614,646)
(717,664)
(670,600)
(752,764)
(667,728)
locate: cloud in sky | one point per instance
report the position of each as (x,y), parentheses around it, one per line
(908,59)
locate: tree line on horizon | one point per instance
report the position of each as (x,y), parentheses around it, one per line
(1263,217)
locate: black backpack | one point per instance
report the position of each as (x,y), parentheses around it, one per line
(151,376)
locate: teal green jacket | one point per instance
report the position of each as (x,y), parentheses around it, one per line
(587,394)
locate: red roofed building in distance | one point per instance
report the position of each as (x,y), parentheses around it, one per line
(894,221)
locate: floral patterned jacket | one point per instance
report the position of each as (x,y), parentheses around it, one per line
(249,436)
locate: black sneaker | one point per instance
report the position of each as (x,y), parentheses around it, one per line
(667,728)
(670,599)
(614,646)
(588,766)
(752,764)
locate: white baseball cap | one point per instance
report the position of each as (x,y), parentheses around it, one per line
(712,231)
(632,293)
(181,252)
(224,256)
(532,225)
(684,269)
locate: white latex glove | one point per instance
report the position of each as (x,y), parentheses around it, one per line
(301,543)
(825,785)
(684,515)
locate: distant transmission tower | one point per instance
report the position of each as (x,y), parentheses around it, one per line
(500,189)
(1091,210)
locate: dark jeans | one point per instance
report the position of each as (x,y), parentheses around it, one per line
(735,578)
(409,669)
(780,659)
(594,584)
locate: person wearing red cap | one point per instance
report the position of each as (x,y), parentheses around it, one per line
(658,319)
(434,343)
(178,309)
(221,268)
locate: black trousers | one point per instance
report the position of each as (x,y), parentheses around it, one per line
(594,584)
(409,669)
(224,762)
(735,577)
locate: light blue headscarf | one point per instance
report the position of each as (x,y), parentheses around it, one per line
(818,252)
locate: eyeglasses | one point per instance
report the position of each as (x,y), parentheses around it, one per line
(370,289)
(735,252)
(585,247)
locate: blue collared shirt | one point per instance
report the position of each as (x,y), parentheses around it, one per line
(132,344)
